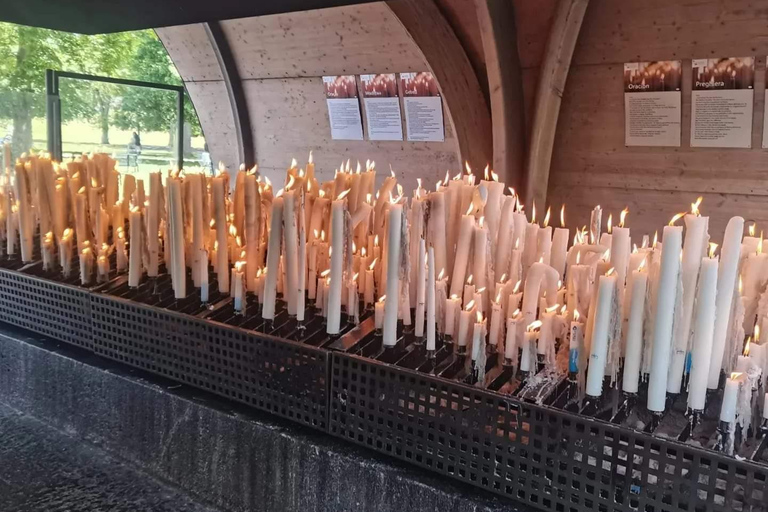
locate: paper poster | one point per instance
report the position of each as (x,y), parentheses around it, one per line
(722,95)
(382,107)
(652,103)
(423,107)
(343,107)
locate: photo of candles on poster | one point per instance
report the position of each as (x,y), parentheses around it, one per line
(423,107)
(722,96)
(652,103)
(343,107)
(382,107)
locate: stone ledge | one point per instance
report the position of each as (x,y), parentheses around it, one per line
(227,455)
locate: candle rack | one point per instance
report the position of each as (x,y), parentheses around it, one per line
(524,439)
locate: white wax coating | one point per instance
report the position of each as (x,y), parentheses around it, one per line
(452,308)
(492,210)
(393,270)
(479,268)
(273,259)
(478,333)
(431,299)
(730,397)
(529,339)
(510,342)
(176,230)
(504,242)
(730,254)
(302,275)
(530,248)
(238,295)
(369,287)
(204,286)
(539,274)
(598,356)
(153,220)
(465,321)
(421,287)
(544,245)
(436,227)
(290,232)
(703,334)
(337,268)
(633,357)
(546,333)
(252,202)
(693,249)
(134,255)
(378,313)
(664,317)
(469,294)
(496,318)
(416,234)
(464,244)
(559,250)
(221,265)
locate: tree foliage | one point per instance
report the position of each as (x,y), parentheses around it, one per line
(26,52)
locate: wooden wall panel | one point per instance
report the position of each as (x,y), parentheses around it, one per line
(354,39)
(591,165)
(191,52)
(291,118)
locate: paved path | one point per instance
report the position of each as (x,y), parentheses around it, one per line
(42,469)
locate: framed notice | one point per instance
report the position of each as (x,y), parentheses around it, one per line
(423,107)
(722,95)
(382,107)
(343,107)
(652,103)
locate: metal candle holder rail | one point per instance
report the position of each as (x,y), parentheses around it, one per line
(424,410)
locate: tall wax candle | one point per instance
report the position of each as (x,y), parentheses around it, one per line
(693,250)
(730,398)
(176,231)
(421,289)
(726,286)
(273,257)
(452,310)
(530,248)
(559,250)
(153,222)
(436,227)
(600,335)
(504,242)
(510,342)
(290,232)
(431,284)
(252,201)
(544,245)
(221,266)
(664,314)
(479,259)
(338,209)
(638,284)
(463,245)
(703,332)
(134,259)
(395,215)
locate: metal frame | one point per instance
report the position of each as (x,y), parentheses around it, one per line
(53,107)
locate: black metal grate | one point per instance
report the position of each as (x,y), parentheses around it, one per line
(282,377)
(550,459)
(56,310)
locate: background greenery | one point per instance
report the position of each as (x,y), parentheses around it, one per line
(95,116)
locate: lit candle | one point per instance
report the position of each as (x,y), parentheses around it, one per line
(431,320)
(202,260)
(134,263)
(369,283)
(504,242)
(497,314)
(239,286)
(302,267)
(638,285)
(469,290)
(378,313)
(273,257)
(221,267)
(695,242)
(465,321)
(726,285)
(393,271)
(478,336)
(544,241)
(338,209)
(528,358)
(452,310)
(65,251)
(560,246)
(479,268)
(664,315)
(600,334)
(176,235)
(575,342)
(546,342)
(730,398)
(153,220)
(290,232)
(510,342)
(531,245)
(421,287)
(86,265)
(463,245)
(252,201)
(436,227)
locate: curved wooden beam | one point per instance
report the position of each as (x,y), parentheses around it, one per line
(505,82)
(554,71)
(246,149)
(468,111)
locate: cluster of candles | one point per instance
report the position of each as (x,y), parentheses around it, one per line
(462,263)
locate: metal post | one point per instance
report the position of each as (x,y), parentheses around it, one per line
(180,131)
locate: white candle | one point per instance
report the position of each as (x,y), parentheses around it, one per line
(469,290)
(664,317)
(527,359)
(502,238)
(238,273)
(202,260)
(421,287)
(290,232)
(559,250)
(575,343)
(86,265)
(463,245)
(703,333)
(539,274)
(726,285)
(544,244)
(134,262)
(598,356)
(431,320)
(478,335)
(65,252)
(730,398)
(452,310)
(393,270)
(370,286)
(273,258)
(546,343)
(465,321)
(338,209)
(252,201)
(221,267)
(497,315)
(479,268)
(530,247)
(510,342)
(302,272)
(153,220)
(436,227)
(378,313)
(638,284)
(176,232)
(693,249)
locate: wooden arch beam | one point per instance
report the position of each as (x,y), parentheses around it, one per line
(498,30)
(467,109)
(563,35)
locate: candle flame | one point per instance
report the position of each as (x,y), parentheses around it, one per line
(392,172)
(81,190)
(481,221)
(291,181)
(363,252)
(735,375)
(564,309)
(518,205)
(344,194)
(368,198)
(634,249)
(325,272)
(741,284)
(607,255)
(623,216)
(358,169)
(418,180)
(322,193)
(354,247)
(517,286)
(454,297)
(559,284)
(479,316)
(470,305)
(354,277)
(373,264)
(516,313)
(578,257)
(610,271)
(441,274)
(533,326)
(562,216)
(576,315)
(457,177)
(322,235)
(642,264)
(485,172)
(533,213)
(517,243)
(712,248)
(546,217)
(497,300)
(610,222)
(503,278)
(677,217)
(382,299)
(757,333)
(655,238)
(467,167)
(751,229)
(447,178)
(695,206)
(279,193)
(552,309)
(494,176)
(469,209)
(376,241)
(469,279)
(760,244)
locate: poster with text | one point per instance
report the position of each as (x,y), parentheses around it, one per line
(343,107)
(382,107)
(423,107)
(722,95)
(652,103)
